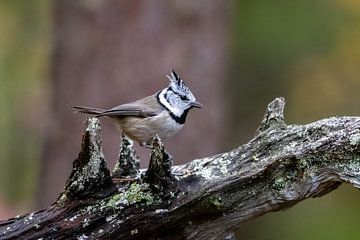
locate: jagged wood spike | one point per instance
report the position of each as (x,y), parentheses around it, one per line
(159,175)
(128,164)
(274,115)
(89,175)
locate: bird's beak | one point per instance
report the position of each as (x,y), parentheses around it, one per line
(196,105)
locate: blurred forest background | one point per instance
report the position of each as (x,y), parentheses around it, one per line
(236,56)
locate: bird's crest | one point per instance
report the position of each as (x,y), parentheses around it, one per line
(176,83)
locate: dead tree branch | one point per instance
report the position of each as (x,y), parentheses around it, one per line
(204,199)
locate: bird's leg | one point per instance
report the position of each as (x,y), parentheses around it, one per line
(148,144)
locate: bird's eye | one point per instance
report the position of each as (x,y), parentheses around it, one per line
(184,98)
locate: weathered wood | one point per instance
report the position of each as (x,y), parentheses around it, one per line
(209,198)
(90,176)
(158,175)
(128,163)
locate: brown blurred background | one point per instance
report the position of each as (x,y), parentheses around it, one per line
(236,56)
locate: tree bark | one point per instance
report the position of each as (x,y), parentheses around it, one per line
(206,198)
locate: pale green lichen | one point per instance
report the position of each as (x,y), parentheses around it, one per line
(279,183)
(213,167)
(137,193)
(286,171)
(213,204)
(62,199)
(354,139)
(112,201)
(216,202)
(351,166)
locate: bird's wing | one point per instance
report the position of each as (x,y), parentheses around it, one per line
(127,110)
(88,110)
(146,107)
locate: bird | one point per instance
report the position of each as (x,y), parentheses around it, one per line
(163,113)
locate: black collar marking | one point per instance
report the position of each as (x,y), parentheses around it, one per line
(179,120)
(182,118)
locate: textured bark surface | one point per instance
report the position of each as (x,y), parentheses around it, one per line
(206,198)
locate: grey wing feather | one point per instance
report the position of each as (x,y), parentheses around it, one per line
(88,110)
(127,112)
(122,110)
(146,107)
(131,109)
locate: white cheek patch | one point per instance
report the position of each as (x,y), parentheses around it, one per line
(167,105)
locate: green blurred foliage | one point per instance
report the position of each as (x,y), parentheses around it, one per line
(279,32)
(24,49)
(308,52)
(268,40)
(334,216)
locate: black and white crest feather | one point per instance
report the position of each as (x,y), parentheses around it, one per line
(177,84)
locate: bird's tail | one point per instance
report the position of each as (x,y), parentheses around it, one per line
(88,110)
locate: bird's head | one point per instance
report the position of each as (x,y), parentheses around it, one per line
(177,97)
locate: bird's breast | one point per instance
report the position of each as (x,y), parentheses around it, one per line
(144,129)
(168,126)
